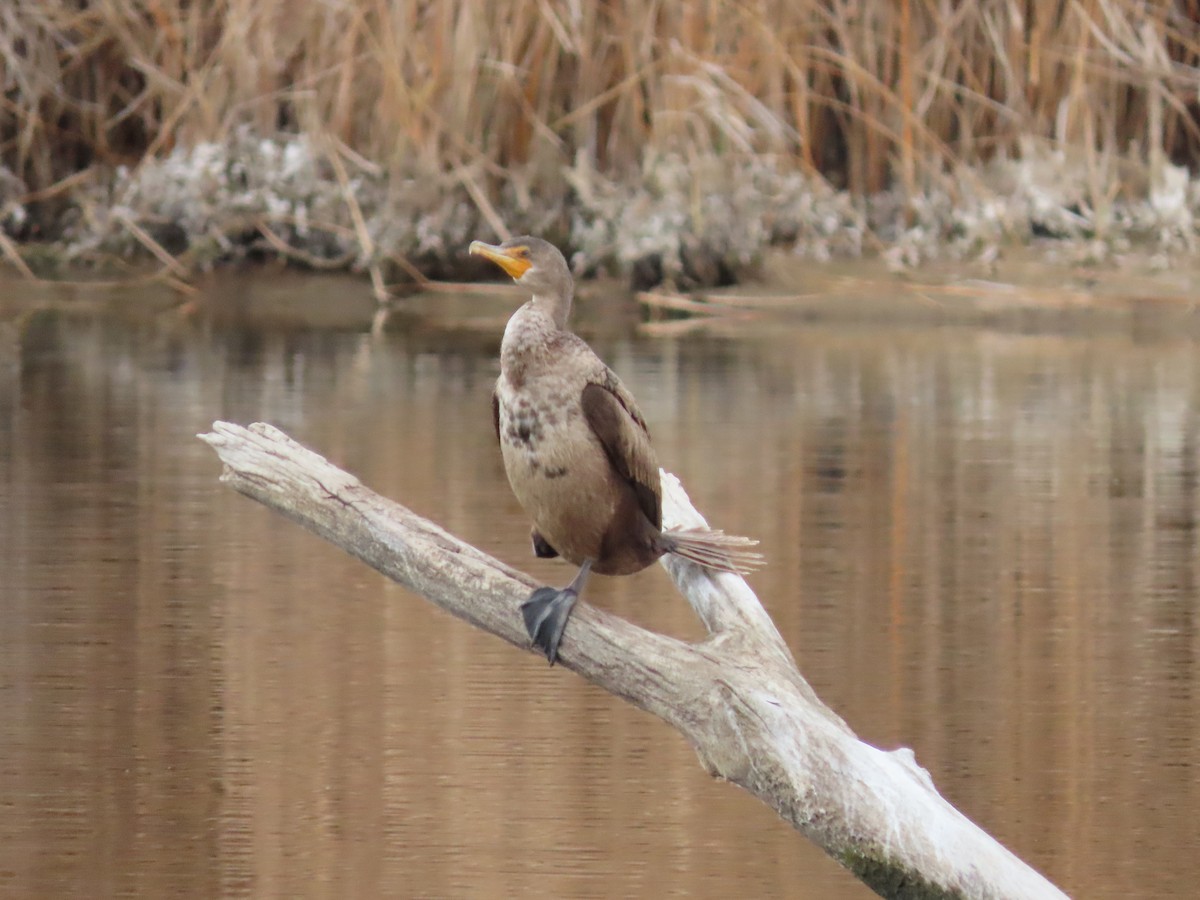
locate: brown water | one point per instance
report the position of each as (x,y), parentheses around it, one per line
(982,545)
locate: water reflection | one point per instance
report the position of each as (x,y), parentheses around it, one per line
(982,546)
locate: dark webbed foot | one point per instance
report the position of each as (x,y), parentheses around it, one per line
(547,610)
(546,613)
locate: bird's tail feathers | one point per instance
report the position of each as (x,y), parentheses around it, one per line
(714,549)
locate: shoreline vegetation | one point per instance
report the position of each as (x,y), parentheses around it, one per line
(657,141)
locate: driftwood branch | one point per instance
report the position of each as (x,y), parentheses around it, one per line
(736,696)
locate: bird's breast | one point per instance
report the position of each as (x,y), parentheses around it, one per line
(540,431)
(556,467)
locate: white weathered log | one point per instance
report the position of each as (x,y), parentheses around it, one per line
(736,696)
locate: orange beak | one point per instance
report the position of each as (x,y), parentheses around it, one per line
(505,258)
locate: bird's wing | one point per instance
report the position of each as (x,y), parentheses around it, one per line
(613,415)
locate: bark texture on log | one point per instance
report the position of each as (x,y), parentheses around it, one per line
(737,696)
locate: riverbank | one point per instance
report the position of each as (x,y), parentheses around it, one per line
(656,142)
(266,198)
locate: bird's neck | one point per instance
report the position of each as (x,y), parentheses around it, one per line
(555,306)
(527,338)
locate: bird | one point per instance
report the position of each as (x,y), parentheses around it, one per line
(577,451)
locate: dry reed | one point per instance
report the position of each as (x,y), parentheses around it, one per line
(676,130)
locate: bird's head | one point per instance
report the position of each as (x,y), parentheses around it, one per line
(533,263)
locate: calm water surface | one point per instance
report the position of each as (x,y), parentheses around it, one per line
(982,545)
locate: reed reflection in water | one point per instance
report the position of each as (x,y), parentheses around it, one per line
(982,546)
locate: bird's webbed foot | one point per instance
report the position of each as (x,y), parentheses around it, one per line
(547,610)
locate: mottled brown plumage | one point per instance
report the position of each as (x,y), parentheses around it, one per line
(576,448)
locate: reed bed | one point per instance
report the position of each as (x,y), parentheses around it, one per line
(661,137)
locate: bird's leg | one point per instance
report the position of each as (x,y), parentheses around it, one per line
(547,610)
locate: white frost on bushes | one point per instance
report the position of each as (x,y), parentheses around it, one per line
(729,209)
(211,198)
(691,215)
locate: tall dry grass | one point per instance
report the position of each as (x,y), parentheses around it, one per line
(503,96)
